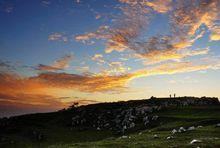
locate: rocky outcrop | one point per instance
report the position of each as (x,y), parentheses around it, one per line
(124,116)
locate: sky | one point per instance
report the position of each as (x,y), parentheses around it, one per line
(57,52)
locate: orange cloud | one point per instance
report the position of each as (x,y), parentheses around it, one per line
(83,69)
(161,6)
(114,68)
(172,68)
(99,34)
(215,33)
(163,48)
(156,56)
(63,62)
(19,90)
(124,34)
(46,68)
(35,91)
(86,83)
(215,37)
(91,83)
(98,58)
(189,15)
(59,64)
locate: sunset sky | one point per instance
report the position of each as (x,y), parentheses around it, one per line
(56,52)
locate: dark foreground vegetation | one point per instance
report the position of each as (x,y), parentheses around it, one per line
(155,122)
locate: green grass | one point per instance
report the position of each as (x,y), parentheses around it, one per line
(209,135)
(59,137)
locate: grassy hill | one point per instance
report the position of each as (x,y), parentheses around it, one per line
(56,129)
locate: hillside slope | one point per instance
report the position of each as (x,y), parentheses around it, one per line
(139,123)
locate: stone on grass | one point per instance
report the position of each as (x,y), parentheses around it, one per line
(169,137)
(194,141)
(174,131)
(132,125)
(125,137)
(156,136)
(181,129)
(191,128)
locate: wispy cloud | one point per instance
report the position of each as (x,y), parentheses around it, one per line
(58,37)
(115,68)
(98,58)
(160,6)
(186,20)
(38,90)
(215,33)
(96,83)
(190,15)
(6,6)
(46,2)
(59,64)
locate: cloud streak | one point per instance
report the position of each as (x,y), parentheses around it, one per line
(58,37)
(36,91)
(59,64)
(186,20)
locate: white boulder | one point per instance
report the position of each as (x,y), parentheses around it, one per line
(195,141)
(169,137)
(156,136)
(174,131)
(181,129)
(191,128)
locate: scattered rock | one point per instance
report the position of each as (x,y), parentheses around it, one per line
(125,137)
(154,118)
(132,125)
(181,129)
(191,128)
(156,136)
(146,120)
(121,120)
(169,137)
(199,126)
(194,141)
(174,131)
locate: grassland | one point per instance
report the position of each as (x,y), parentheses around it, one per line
(57,136)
